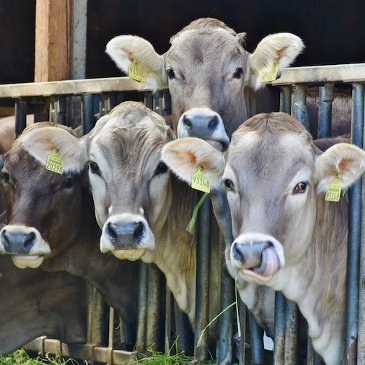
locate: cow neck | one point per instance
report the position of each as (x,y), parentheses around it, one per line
(176,257)
(317,282)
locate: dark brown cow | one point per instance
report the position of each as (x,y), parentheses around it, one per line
(35,303)
(215,83)
(287,235)
(51,220)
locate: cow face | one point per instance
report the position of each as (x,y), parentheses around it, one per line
(129,183)
(274,177)
(211,77)
(41,202)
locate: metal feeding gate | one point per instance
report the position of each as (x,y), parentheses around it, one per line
(154,325)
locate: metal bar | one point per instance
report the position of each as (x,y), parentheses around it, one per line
(202,280)
(107,102)
(224,352)
(20,116)
(257,344)
(291,333)
(326,96)
(279,338)
(141,346)
(148,100)
(354,232)
(87,113)
(299,108)
(285,99)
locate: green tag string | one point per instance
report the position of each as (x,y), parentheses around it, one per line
(191,225)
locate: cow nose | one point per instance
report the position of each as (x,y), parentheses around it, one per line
(249,254)
(125,236)
(200,126)
(17,243)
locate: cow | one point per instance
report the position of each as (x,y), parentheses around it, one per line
(36,303)
(214,82)
(288,234)
(51,220)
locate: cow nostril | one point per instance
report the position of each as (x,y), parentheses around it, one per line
(188,123)
(111,231)
(138,231)
(29,240)
(236,253)
(4,239)
(213,122)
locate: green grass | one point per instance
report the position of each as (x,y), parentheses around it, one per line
(20,357)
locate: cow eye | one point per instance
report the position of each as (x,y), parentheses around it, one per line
(301,187)
(93,166)
(68,183)
(161,168)
(5,176)
(170,73)
(228,184)
(238,73)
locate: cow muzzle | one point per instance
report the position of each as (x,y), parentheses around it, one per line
(205,124)
(259,258)
(24,244)
(127,236)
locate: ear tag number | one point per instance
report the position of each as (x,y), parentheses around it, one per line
(136,73)
(55,162)
(200,181)
(270,75)
(333,193)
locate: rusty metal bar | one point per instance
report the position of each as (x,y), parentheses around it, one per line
(291,333)
(202,280)
(141,345)
(326,96)
(353,262)
(20,116)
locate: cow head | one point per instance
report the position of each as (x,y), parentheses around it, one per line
(129,183)
(274,176)
(41,196)
(212,78)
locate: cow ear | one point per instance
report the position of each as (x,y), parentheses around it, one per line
(274,53)
(185,155)
(346,160)
(127,49)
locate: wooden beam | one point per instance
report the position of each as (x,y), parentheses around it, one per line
(53,40)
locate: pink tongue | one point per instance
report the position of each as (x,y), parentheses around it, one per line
(270,262)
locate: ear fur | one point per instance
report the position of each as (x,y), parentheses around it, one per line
(342,158)
(126,49)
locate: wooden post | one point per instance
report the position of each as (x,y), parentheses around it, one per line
(53,40)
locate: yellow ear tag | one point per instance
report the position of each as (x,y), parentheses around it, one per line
(55,162)
(271,74)
(200,181)
(136,73)
(333,193)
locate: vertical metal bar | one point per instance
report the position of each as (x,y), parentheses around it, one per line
(291,333)
(300,110)
(95,323)
(242,323)
(285,99)
(202,280)
(257,341)
(142,308)
(153,316)
(353,262)
(279,339)
(168,322)
(107,102)
(87,113)
(148,100)
(183,331)
(20,116)
(166,110)
(61,110)
(226,319)
(52,109)
(326,96)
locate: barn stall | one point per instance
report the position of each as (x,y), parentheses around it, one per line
(82,98)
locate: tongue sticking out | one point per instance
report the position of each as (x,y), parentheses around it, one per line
(270,264)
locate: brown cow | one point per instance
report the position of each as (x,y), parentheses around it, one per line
(215,83)
(287,236)
(51,220)
(143,210)
(36,303)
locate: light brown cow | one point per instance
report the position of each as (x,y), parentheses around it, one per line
(144,210)
(215,84)
(51,220)
(287,236)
